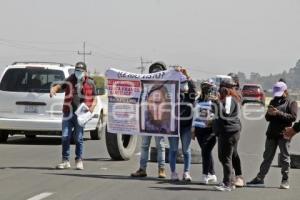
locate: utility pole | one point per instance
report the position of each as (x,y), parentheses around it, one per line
(143,67)
(84,53)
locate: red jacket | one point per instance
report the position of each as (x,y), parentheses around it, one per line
(76,93)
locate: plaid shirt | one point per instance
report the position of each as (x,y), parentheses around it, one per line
(78,92)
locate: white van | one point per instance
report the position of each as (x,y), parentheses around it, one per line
(219,78)
(26,107)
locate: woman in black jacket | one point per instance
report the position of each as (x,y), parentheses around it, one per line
(227,126)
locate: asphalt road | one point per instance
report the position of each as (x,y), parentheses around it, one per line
(27,171)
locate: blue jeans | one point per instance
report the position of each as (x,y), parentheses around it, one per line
(186,138)
(69,124)
(160,146)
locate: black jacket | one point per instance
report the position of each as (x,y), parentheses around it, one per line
(227,122)
(186,105)
(285,117)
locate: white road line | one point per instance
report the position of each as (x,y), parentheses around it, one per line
(41,196)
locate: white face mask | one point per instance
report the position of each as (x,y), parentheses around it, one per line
(79,75)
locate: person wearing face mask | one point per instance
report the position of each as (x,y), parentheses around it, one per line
(188,95)
(282,112)
(202,129)
(79,88)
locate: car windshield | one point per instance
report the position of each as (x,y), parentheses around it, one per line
(251,87)
(30,79)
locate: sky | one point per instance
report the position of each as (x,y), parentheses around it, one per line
(208,37)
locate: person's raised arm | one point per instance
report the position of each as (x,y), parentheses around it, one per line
(54,90)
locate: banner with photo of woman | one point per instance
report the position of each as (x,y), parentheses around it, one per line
(143,104)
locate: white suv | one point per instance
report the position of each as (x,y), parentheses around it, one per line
(26,107)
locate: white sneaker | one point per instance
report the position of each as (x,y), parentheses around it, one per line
(212,179)
(79,164)
(209,179)
(204,179)
(187,177)
(64,165)
(174,176)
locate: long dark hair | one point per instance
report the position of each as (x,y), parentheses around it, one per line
(225,92)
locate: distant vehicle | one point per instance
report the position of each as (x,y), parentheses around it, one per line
(27,109)
(253,93)
(219,78)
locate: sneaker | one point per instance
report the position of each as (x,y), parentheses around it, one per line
(79,164)
(284,184)
(256,182)
(64,165)
(223,188)
(239,181)
(139,173)
(186,177)
(204,179)
(209,179)
(174,176)
(162,173)
(212,179)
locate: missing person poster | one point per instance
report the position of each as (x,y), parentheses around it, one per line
(143,104)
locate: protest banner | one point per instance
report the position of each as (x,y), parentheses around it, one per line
(143,104)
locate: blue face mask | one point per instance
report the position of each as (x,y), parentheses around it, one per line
(79,74)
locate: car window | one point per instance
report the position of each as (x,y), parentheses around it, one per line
(30,79)
(251,87)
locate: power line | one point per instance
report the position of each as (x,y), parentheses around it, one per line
(36,46)
(30,47)
(40,42)
(121,56)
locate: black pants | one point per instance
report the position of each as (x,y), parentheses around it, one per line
(207,141)
(236,163)
(227,145)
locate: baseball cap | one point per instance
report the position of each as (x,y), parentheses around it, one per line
(80,65)
(279,88)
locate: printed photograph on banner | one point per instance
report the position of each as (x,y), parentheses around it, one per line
(123,102)
(158,109)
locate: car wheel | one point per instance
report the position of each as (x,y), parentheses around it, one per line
(3,136)
(120,147)
(100,128)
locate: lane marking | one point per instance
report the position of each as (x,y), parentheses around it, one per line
(41,196)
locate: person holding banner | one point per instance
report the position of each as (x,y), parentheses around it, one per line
(187,98)
(202,129)
(154,94)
